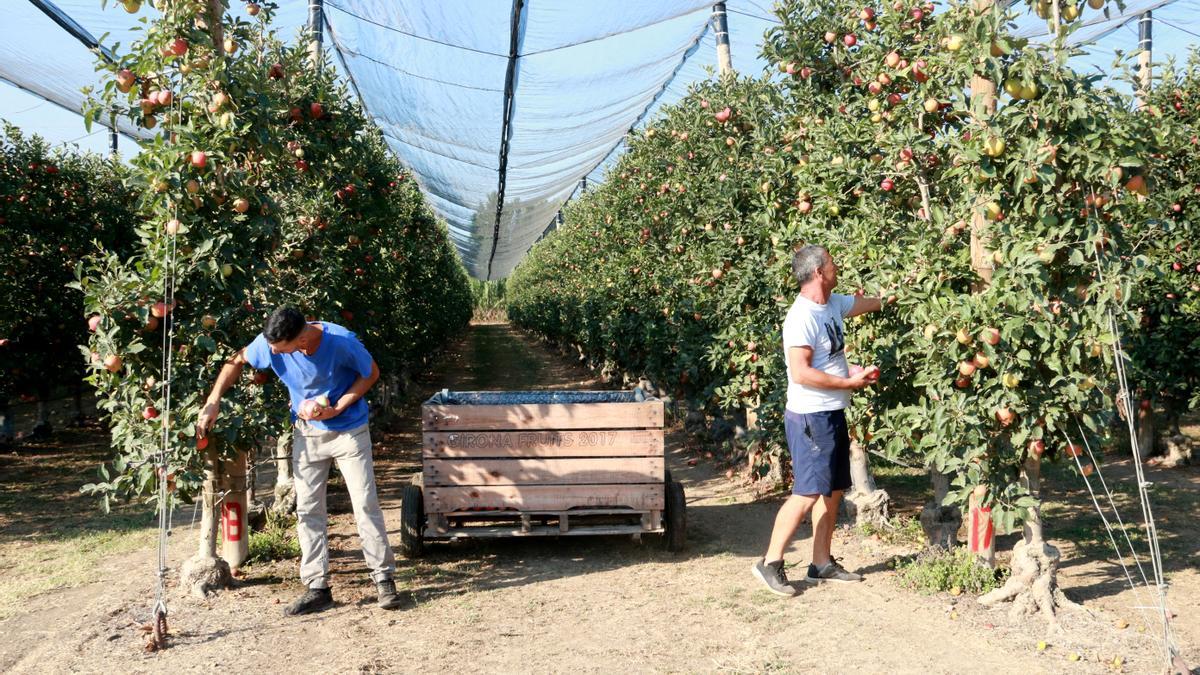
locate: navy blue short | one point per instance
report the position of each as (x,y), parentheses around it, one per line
(820,447)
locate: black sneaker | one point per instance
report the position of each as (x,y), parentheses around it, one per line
(773,576)
(832,571)
(313,600)
(388,597)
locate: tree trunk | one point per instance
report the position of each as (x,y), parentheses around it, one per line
(864,503)
(1177,449)
(1147,434)
(205,573)
(41,424)
(285,488)
(1033,585)
(78,418)
(6,425)
(940,523)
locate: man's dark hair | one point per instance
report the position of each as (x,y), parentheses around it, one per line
(284,325)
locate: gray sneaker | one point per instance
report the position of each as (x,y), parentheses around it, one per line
(773,576)
(313,600)
(833,571)
(388,598)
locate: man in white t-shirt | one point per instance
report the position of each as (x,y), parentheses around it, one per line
(819,386)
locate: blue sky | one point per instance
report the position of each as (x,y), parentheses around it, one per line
(35,115)
(432,72)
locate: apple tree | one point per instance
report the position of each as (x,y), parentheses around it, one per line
(1002,227)
(55,206)
(265,186)
(1168,329)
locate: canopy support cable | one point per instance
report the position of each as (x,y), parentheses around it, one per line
(510,79)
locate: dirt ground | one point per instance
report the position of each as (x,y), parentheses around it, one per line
(614,604)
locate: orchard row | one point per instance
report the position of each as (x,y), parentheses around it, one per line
(1020,230)
(265,185)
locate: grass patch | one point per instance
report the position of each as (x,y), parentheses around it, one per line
(277,541)
(955,571)
(904,531)
(32,567)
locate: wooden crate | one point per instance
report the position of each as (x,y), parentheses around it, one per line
(568,458)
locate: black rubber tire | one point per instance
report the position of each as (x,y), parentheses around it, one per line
(675,516)
(412,522)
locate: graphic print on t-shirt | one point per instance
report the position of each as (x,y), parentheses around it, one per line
(837,339)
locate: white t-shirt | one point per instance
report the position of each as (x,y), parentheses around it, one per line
(821,328)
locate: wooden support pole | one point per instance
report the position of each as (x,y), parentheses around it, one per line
(235,544)
(721,28)
(316,29)
(983,101)
(1146,44)
(983,98)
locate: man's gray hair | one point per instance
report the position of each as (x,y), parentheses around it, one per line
(807,261)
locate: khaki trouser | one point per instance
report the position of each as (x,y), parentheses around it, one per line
(313,451)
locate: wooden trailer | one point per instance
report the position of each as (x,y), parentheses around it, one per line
(550,463)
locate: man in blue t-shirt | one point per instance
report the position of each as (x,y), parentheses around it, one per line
(327,372)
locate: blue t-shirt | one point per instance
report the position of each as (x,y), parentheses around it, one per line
(339,360)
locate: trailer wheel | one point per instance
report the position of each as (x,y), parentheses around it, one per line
(412,522)
(675,515)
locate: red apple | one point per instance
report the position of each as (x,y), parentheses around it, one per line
(202,442)
(830,36)
(724,115)
(1005,416)
(149,413)
(850,40)
(276,71)
(159,310)
(886,185)
(125,80)
(241,205)
(94,322)
(199,159)
(990,336)
(173,226)
(112,363)
(316,110)
(966,368)
(867,14)
(179,47)
(1037,447)
(260,377)
(252,9)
